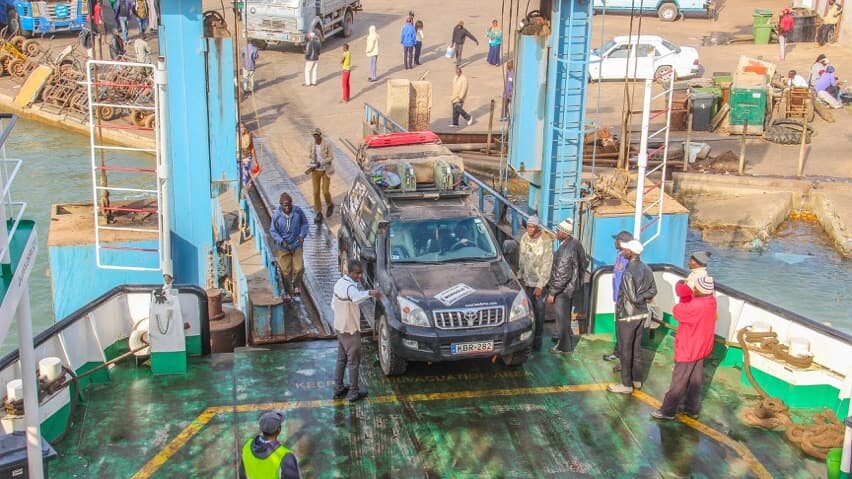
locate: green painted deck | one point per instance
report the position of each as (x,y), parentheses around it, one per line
(468,419)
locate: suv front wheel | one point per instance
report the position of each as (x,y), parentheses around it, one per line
(391,363)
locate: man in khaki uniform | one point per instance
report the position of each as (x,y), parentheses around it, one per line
(535,259)
(320,168)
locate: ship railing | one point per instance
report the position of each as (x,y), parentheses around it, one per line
(8,171)
(130,190)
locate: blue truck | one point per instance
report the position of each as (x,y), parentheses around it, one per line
(39,17)
(666,10)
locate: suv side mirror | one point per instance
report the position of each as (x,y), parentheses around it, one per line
(383,227)
(510,247)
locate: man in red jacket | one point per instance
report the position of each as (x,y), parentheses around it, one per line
(696,318)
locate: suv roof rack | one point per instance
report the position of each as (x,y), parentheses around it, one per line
(401,139)
(461,191)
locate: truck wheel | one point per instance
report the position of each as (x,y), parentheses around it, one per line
(392,365)
(668,12)
(318,34)
(348,21)
(517,358)
(14,23)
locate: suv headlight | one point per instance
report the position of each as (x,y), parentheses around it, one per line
(520,307)
(412,314)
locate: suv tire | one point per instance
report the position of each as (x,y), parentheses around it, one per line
(517,358)
(390,362)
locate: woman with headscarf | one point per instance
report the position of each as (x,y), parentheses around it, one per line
(495,39)
(827,82)
(373,52)
(817,69)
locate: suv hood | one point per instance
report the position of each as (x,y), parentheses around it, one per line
(456,284)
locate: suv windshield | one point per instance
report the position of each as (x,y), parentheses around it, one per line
(437,241)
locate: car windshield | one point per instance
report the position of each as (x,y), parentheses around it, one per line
(671,46)
(605,48)
(439,241)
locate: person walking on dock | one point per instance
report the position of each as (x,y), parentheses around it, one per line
(320,166)
(264,457)
(495,39)
(249,57)
(565,279)
(785,26)
(418,46)
(312,53)
(288,230)
(123,9)
(696,329)
(460,33)
(457,100)
(373,53)
(637,289)
(408,38)
(535,260)
(347,325)
(697,266)
(618,267)
(346,70)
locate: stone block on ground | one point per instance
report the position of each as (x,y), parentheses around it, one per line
(834,210)
(738,218)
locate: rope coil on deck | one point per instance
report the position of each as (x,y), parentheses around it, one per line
(823,433)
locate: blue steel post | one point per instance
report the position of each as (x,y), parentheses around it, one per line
(567,76)
(182,43)
(222,111)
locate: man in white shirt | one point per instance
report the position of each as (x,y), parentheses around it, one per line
(796,80)
(347,324)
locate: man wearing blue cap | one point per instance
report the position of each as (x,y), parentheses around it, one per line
(263,457)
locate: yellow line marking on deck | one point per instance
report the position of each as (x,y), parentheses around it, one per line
(754,463)
(175,444)
(208,414)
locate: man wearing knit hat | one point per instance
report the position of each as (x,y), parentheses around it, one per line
(697,266)
(534,262)
(565,280)
(696,320)
(264,457)
(631,310)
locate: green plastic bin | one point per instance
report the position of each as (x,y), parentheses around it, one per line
(762,33)
(832,462)
(762,16)
(748,104)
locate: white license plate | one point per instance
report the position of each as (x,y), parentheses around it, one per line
(472,348)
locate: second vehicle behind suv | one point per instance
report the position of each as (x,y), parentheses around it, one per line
(448,293)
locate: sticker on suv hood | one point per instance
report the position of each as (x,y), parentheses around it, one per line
(454,293)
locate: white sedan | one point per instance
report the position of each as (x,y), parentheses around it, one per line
(642,57)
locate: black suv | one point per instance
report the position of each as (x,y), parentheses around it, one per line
(448,293)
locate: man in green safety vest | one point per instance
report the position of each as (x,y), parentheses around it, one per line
(264,457)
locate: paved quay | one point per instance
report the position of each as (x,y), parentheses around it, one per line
(283,111)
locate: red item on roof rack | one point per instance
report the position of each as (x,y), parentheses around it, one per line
(400,139)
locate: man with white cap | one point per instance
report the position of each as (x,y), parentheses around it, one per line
(696,329)
(565,280)
(697,267)
(631,310)
(535,259)
(618,267)
(264,457)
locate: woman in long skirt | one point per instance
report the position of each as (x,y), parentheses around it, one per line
(495,39)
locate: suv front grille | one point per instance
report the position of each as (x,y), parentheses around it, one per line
(469,317)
